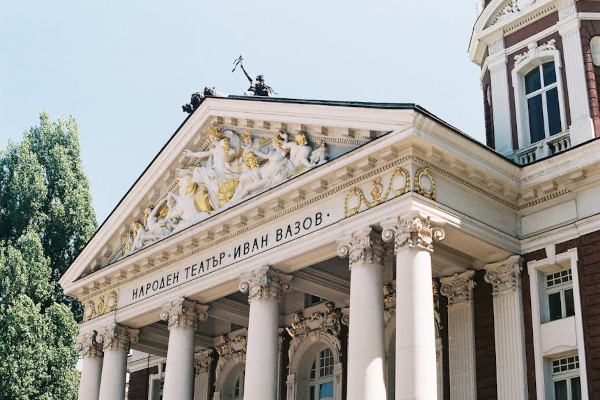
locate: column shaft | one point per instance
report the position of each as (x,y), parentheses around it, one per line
(91,370)
(416,370)
(182,316)
(416,374)
(116,340)
(264,290)
(366,351)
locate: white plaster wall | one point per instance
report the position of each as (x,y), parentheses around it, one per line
(550,217)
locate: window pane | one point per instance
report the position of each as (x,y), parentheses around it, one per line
(549,73)
(536,118)
(533,81)
(553,109)
(312,392)
(575,389)
(326,390)
(569,303)
(555,307)
(560,390)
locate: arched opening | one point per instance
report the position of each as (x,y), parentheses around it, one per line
(317,373)
(230,386)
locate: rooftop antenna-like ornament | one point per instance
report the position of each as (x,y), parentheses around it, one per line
(258,87)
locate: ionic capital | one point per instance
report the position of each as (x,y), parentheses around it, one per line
(504,276)
(202,361)
(458,288)
(362,246)
(88,345)
(264,284)
(183,313)
(117,337)
(414,231)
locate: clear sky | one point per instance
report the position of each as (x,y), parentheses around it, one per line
(124,68)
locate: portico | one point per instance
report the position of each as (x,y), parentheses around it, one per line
(323,284)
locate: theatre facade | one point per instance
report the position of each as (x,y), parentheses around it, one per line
(301,249)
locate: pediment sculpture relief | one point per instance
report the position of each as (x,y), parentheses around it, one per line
(231,168)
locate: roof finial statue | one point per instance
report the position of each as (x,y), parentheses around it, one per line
(258,87)
(198,97)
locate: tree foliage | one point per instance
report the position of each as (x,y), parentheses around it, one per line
(46,217)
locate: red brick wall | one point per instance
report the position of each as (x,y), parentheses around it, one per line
(588,249)
(139,383)
(529,353)
(485,347)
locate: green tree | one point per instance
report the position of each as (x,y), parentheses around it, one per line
(46,217)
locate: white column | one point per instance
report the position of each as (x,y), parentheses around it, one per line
(264,291)
(511,366)
(581,128)
(500,97)
(182,316)
(413,235)
(461,335)
(116,340)
(91,370)
(366,351)
(202,364)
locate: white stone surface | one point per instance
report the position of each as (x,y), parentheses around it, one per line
(550,217)
(179,375)
(89,382)
(114,369)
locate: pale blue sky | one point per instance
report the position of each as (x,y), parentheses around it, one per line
(124,68)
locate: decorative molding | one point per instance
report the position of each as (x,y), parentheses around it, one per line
(230,350)
(416,232)
(101,305)
(534,51)
(356,199)
(88,345)
(511,8)
(566,10)
(364,246)
(117,337)
(183,313)
(458,288)
(504,276)
(203,361)
(423,187)
(264,284)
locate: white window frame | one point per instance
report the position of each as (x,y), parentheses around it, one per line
(543,91)
(558,288)
(318,379)
(527,62)
(538,270)
(566,375)
(154,378)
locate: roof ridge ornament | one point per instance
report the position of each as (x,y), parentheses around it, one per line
(258,87)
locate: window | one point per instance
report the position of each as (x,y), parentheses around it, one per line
(157,387)
(321,376)
(565,376)
(543,107)
(238,387)
(310,300)
(559,288)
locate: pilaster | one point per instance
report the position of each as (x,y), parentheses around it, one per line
(497,65)
(202,365)
(581,128)
(461,334)
(505,278)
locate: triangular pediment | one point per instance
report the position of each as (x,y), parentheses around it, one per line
(227,152)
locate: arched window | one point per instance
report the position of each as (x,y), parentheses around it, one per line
(320,382)
(543,107)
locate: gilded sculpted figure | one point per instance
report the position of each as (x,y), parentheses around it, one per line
(231,168)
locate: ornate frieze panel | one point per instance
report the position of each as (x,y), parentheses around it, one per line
(512,7)
(325,322)
(232,166)
(230,349)
(397,184)
(100,305)
(534,51)
(425,184)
